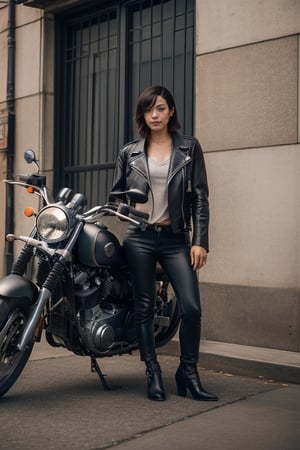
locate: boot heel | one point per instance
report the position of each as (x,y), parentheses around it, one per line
(180,383)
(187,377)
(181,390)
(154,381)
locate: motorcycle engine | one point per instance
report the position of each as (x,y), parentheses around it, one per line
(105,313)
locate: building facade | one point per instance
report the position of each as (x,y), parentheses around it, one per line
(233,66)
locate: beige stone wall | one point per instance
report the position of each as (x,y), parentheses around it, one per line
(247,103)
(255,213)
(225,24)
(34,102)
(3,53)
(3,77)
(247,96)
(247,121)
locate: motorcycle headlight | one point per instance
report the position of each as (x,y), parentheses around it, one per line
(53,224)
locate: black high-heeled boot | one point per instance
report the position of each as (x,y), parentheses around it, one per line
(187,377)
(154,381)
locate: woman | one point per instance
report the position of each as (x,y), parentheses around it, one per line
(170,169)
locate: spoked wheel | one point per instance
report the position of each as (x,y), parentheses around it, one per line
(12,361)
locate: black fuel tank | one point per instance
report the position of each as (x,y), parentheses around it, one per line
(98,247)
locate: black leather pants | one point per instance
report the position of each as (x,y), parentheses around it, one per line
(143,249)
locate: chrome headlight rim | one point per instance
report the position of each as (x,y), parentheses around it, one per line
(53,224)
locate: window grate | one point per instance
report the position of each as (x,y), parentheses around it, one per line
(107,57)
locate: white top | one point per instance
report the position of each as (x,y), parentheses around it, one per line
(157,207)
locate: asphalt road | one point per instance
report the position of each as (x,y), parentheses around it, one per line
(58,404)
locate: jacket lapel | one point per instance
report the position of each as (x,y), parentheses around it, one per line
(180,156)
(137,158)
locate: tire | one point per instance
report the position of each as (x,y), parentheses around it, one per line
(12,361)
(169,332)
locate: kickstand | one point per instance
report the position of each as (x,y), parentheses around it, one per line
(96,368)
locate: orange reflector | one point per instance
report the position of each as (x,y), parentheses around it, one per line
(30,189)
(29,212)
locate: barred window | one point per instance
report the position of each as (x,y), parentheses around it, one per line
(106,57)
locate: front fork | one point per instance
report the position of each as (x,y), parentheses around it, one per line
(37,309)
(47,289)
(33,319)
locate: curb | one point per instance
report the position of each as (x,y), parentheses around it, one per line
(244,360)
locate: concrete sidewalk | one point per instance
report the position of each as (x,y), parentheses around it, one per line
(268,421)
(58,404)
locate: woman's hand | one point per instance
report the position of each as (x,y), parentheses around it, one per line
(198,257)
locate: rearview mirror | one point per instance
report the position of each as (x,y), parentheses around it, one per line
(135,195)
(30,157)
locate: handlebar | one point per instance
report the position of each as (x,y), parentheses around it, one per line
(34,179)
(129,211)
(121,210)
(42,191)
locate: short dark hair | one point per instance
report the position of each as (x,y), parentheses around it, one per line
(146,100)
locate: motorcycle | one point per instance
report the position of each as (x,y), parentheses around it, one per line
(70,281)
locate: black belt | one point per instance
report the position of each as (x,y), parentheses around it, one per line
(158,227)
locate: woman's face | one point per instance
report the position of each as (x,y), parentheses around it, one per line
(157,117)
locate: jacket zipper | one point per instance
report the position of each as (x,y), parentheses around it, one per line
(140,173)
(178,169)
(182,168)
(147,179)
(182,210)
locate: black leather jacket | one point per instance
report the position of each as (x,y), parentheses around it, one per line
(187,183)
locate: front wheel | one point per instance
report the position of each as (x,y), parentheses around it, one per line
(12,361)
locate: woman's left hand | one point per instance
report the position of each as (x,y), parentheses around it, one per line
(198,257)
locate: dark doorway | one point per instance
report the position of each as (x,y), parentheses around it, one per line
(106,57)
